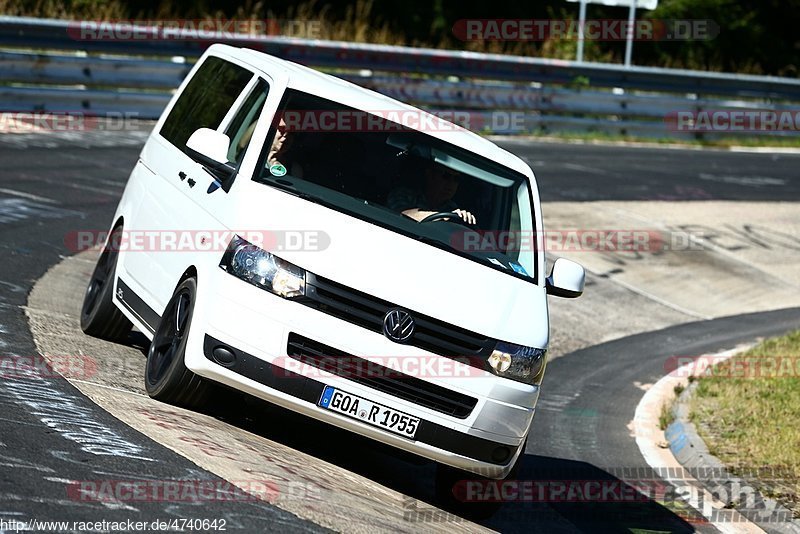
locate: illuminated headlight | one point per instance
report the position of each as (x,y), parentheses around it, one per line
(524,364)
(263,269)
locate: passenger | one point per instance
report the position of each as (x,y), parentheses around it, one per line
(279,156)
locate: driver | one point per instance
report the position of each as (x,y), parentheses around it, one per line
(439,188)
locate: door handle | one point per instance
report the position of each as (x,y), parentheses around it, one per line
(182,175)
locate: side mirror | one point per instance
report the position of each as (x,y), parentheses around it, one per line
(210,148)
(566,279)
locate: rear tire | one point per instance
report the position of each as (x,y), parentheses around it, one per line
(100,317)
(166,377)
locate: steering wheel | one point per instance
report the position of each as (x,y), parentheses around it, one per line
(443,216)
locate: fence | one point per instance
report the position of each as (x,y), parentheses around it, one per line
(46,65)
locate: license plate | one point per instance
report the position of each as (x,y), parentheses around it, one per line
(370,412)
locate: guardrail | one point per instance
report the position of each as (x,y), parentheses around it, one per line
(48,65)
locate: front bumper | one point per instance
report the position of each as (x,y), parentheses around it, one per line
(255,325)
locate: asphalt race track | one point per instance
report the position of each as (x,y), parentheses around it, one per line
(597,172)
(37,463)
(48,189)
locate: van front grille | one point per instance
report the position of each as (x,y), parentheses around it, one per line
(368,312)
(378,377)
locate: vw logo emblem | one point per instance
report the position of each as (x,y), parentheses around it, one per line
(398,325)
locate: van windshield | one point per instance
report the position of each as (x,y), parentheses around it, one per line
(370,166)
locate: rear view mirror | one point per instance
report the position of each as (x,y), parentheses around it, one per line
(566,279)
(210,148)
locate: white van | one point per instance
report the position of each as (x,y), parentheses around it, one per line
(338,253)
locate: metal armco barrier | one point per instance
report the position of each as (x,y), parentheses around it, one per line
(50,65)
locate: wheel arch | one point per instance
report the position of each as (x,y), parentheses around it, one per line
(190,272)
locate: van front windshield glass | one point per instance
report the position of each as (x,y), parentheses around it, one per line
(371,167)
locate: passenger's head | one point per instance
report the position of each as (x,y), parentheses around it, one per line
(441,183)
(282,142)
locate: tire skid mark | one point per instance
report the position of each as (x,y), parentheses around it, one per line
(19,209)
(308,486)
(64,414)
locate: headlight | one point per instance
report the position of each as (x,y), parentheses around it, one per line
(263,269)
(524,364)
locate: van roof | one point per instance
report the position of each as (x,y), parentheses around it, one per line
(332,88)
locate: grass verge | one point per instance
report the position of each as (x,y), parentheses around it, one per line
(747,410)
(666,417)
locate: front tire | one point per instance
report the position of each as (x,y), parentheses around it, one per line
(99,315)
(166,377)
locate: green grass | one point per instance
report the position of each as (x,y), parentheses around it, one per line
(666,417)
(748,412)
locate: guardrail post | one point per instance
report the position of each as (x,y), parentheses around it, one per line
(581,25)
(629,36)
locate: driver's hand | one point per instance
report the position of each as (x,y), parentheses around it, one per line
(466,216)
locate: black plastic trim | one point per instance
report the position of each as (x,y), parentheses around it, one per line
(137,306)
(310,390)
(394,383)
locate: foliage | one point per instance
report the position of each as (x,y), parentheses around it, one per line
(747,410)
(756,36)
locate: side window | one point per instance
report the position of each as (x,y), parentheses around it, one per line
(244,122)
(206,100)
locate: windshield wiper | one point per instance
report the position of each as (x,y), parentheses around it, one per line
(293,191)
(455,250)
(445,246)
